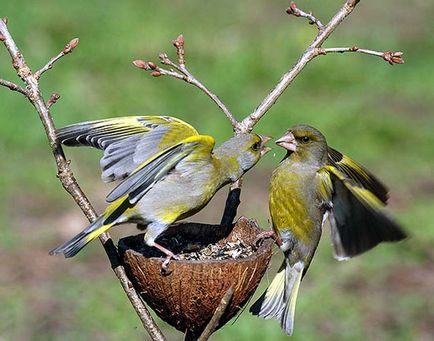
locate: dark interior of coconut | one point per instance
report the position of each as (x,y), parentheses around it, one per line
(199,242)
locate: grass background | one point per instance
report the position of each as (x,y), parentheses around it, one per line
(380,115)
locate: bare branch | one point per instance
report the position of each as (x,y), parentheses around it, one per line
(183,74)
(2,37)
(389,56)
(179,45)
(295,11)
(179,71)
(213,323)
(13,87)
(67,178)
(66,50)
(249,122)
(53,99)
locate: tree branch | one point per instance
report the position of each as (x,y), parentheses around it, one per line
(231,206)
(13,87)
(65,174)
(67,49)
(183,74)
(295,11)
(249,122)
(389,56)
(179,70)
(52,100)
(213,323)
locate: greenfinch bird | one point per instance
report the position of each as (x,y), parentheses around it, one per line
(314,181)
(167,170)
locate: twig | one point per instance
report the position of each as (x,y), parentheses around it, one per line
(53,99)
(246,125)
(67,49)
(231,207)
(389,56)
(183,74)
(65,174)
(180,51)
(295,11)
(13,87)
(215,319)
(179,70)
(2,37)
(249,122)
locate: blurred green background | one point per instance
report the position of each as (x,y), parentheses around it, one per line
(380,115)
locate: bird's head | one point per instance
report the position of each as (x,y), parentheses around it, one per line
(242,152)
(304,143)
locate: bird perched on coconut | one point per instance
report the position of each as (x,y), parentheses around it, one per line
(314,181)
(167,171)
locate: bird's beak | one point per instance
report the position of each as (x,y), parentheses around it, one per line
(264,140)
(288,142)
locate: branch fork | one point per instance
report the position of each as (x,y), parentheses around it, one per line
(179,71)
(64,173)
(66,50)
(297,12)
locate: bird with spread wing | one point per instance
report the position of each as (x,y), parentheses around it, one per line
(314,181)
(167,171)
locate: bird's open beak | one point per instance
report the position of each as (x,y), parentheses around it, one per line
(288,142)
(264,140)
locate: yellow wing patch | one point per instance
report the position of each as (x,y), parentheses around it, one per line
(358,174)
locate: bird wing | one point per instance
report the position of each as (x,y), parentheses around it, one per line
(127,141)
(357,216)
(358,174)
(142,179)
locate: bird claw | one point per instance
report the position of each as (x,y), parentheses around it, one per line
(166,263)
(169,256)
(268,234)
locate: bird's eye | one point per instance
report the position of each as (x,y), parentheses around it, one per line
(256,146)
(305,139)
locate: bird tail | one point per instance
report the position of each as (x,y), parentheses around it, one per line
(278,301)
(73,246)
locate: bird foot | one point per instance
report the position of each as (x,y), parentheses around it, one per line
(268,234)
(166,262)
(169,256)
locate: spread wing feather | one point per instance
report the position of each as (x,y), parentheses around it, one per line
(357,216)
(127,141)
(358,174)
(157,167)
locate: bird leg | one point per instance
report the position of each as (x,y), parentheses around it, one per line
(266,235)
(169,255)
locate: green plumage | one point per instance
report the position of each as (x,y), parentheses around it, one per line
(312,181)
(168,171)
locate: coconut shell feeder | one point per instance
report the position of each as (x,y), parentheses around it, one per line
(214,260)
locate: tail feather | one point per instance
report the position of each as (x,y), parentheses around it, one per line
(293,279)
(270,304)
(73,246)
(279,300)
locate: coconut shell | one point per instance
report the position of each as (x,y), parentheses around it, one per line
(187,294)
